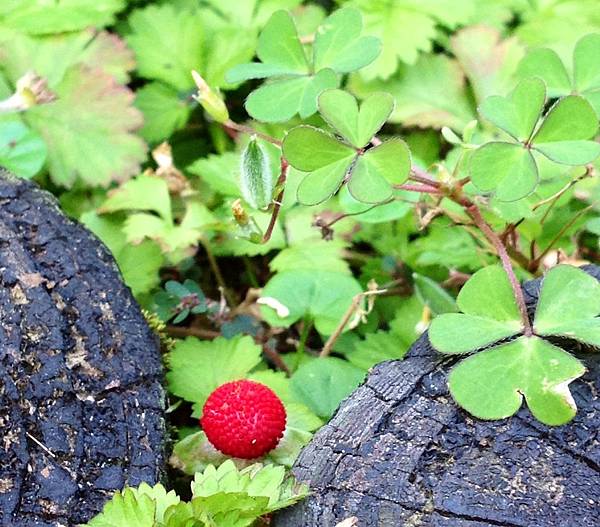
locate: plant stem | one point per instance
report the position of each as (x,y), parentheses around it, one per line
(250,271)
(214,265)
(338,331)
(231,125)
(355,304)
(475,213)
(427,189)
(420,175)
(536,262)
(181,332)
(307,325)
(277,203)
(275,357)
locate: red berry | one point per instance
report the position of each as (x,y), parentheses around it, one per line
(243,419)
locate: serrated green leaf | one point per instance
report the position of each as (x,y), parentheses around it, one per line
(226,47)
(91,117)
(339,46)
(417,20)
(377,347)
(164,111)
(177,241)
(168,43)
(142,193)
(492,384)
(38,17)
(22,151)
(251,13)
(322,384)
(126,508)
(196,367)
(506,169)
(280,100)
(256,180)
(568,296)
(219,172)
(144,506)
(518,113)
(323,295)
(489,60)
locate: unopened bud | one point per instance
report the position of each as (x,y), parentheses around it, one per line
(210,100)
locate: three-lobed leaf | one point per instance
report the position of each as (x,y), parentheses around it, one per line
(489,313)
(491,384)
(569,305)
(295,82)
(584,78)
(508,168)
(371,173)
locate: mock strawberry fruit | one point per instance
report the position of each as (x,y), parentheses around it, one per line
(243,419)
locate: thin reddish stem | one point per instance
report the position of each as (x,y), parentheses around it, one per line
(277,204)
(484,227)
(419,188)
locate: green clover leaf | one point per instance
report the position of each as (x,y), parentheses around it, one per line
(585,78)
(294,81)
(569,305)
(489,313)
(370,173)
(492,384)
(509,169)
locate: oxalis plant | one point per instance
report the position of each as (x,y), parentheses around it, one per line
(549,119)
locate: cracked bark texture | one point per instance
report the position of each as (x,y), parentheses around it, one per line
(81,401)
(399,452)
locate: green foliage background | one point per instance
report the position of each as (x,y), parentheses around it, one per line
(121,73)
